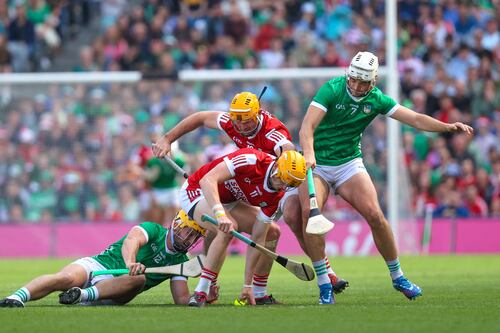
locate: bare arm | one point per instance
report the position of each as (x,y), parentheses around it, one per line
(209,186)
(203,118)
(312,119)
(425,123)
(283,148)
(180,291)
(133,242)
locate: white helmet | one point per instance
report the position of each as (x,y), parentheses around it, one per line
(363,66)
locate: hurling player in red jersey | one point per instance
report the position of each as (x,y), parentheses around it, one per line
(242,190)
(248,126)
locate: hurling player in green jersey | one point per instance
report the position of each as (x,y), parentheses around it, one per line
(145,245)
(331,139)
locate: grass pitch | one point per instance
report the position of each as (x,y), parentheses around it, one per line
(461,294)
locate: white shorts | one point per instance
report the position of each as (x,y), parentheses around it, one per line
(338,175)
(187,204)
(145,200)
(90,265)
(166,197)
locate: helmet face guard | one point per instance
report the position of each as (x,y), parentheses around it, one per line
(245,113)
(184,233)
(291,169)
(354,84)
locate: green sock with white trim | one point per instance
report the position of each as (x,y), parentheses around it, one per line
(90,294)
(22,295)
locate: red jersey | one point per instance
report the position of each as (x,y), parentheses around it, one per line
(269,137)
(251,170)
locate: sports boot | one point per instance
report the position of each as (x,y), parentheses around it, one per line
(71,296)
(409,289)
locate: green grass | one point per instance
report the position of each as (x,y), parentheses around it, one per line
(461,294)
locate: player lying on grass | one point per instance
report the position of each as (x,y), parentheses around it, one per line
(145,245)
(249,126)
(242,190)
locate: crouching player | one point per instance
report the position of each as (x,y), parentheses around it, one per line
(146,245)
(242,190)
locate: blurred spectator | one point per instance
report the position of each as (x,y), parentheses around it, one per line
(451,206)
(475,204)
(21,39)
(62,146)
(87,61)
(5,55)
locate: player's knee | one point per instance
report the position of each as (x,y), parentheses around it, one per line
(65,280)
(273,233)
(294,222)
(137,282)
(375,217)
(293,217)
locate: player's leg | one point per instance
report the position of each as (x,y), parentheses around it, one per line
(172,206)
(145,203)
(292,215)
(179,289)
(316,244)
(360,192)
(70,276)
(121,289)
(216,254)
(156,211)
(102,289)
(246,216)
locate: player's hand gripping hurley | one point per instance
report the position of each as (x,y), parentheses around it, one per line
(317,224)
(191,268)
(300,270)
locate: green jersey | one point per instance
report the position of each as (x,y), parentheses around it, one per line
(153,254)
(167,177)
(337,139)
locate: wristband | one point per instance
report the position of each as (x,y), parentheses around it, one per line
(219,213)
(218,210)
(247,286)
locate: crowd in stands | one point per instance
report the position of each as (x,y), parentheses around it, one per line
(64,148)
(32,31)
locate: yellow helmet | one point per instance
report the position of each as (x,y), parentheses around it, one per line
(183,220)
(185,232)
(245,106)
(291,168)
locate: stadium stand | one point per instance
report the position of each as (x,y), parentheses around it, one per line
(64,151)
